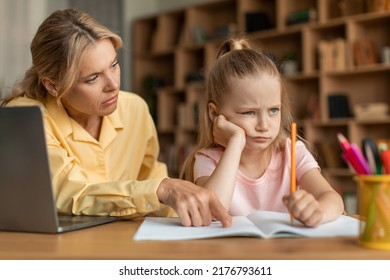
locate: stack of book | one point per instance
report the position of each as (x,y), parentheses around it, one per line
(333,55)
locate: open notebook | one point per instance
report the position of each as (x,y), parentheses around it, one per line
(26,197)
(262,224)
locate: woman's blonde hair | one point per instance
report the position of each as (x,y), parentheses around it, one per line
(56,51)
(236,59)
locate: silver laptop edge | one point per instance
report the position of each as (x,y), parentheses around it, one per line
(26,196)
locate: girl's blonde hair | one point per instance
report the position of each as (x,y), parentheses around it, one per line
(236,59)
(56,51)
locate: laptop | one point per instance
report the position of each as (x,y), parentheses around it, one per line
(26,196)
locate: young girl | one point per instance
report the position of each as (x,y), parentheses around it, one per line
(243,153)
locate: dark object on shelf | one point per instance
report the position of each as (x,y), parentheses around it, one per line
(338,106)
(302,16)
(257,21)
(225,31)
(150,84)
(195,77)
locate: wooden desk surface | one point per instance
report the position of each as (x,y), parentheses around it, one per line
(115,241)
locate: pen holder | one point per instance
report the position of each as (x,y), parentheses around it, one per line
(374,211)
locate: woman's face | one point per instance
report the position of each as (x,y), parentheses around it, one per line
(254,104)
(95,93)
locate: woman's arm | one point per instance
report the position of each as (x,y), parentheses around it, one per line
(195,206)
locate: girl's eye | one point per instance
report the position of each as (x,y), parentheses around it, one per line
(274,110)
(249,113)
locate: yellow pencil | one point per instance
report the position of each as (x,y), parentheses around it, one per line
(293,186)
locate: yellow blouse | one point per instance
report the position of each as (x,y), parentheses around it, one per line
(117,175)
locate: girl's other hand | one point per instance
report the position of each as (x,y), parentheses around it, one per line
(304,207)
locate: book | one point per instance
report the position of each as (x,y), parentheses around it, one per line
(333,55)
(364,52)
(262,224)
(338,105)
(325,55)
(340,54)
(329,153)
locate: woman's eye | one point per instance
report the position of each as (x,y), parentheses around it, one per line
(249,113)
(115,64)
(92,80)
(274,110)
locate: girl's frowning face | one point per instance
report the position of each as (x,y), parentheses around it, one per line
(254,104)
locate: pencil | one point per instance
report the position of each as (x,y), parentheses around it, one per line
(293,186)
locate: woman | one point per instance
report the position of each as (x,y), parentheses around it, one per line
(102,142)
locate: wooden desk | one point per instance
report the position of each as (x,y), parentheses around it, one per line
(114,241)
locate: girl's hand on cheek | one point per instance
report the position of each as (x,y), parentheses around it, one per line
(304,207)
(224,130)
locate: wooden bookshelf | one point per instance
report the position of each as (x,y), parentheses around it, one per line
(172,50)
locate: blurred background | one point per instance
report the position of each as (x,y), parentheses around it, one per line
(19,20)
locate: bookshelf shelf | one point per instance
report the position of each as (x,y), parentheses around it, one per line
(175,49)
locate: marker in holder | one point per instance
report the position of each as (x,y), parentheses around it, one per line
(374,211)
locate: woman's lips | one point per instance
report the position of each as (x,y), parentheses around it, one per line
(111,101)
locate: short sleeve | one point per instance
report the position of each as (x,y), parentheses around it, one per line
(305,160)
(206,161)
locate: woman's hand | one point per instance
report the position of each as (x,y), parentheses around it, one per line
(224,131)
(196,206)
(304,207)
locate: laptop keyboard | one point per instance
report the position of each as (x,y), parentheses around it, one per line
(65,220)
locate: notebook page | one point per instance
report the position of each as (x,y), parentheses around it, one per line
(275,223)
(155,228)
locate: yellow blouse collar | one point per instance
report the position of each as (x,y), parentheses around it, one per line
(110,125)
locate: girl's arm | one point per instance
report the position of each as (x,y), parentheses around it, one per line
(316,202)
(223,178)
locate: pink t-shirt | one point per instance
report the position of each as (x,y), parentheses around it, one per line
(266,192)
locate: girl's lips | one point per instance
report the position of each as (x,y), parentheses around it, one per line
(260,139)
